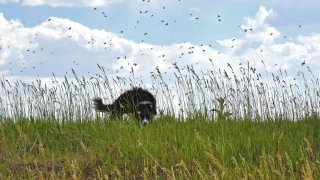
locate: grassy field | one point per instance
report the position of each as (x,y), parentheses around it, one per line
(219,124)
(164,149)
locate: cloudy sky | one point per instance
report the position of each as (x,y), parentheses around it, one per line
(41,37)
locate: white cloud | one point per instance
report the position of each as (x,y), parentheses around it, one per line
(14,39)
(59,3)
(256,29)
(58,45)
(265,43)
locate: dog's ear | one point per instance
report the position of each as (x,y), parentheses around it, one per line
(96,100)
(98,105)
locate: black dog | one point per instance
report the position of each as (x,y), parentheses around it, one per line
(137,101)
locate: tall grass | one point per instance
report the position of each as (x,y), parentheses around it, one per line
(222,124)
(241,93)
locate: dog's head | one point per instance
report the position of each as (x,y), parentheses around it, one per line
(145,110)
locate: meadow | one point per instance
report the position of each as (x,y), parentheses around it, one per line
(220,124)
(164,149)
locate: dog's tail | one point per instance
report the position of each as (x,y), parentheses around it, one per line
(98,105)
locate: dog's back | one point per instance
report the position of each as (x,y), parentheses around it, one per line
(137,101)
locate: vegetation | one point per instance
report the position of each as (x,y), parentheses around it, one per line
(219,124)
(166,148)
(239,93)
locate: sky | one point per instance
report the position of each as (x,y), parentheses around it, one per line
(42,37)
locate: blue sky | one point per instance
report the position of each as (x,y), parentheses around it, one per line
(122,16)
(287,31)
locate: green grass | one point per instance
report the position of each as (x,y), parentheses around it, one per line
(167,148)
